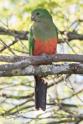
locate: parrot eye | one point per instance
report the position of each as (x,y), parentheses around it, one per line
(37,13)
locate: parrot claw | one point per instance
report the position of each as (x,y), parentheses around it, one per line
(44,55)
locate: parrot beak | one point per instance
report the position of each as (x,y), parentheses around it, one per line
(33,18)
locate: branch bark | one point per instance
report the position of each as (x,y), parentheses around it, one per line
(23,35)
(44,70)
(23,65)
(42,59)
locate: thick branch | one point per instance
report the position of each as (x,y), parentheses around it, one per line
(24,61)
(44,70)
(42,59)
(22,65)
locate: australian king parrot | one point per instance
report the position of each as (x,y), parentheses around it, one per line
(43,38)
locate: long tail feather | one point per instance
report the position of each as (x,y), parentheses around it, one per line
(40,93)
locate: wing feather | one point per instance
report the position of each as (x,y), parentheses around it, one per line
(31,42)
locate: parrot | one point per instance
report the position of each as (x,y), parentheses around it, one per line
(43,38)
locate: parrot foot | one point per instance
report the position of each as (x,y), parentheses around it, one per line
(46,57)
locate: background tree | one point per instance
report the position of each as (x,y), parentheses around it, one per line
(65,91)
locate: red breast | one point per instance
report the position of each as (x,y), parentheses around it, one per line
(47,47)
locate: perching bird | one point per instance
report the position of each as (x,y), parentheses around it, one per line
(43,38)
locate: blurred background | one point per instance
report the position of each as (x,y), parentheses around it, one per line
(65,92)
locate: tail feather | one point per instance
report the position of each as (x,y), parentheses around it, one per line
(40,93)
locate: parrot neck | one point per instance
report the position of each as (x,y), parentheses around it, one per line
(44,31)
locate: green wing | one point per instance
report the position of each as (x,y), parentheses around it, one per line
(31,42)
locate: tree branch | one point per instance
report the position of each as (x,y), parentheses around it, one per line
(8,45)
(44,70)
(23,35)
(42,59)
(74,36)
(23,65)
(24,61)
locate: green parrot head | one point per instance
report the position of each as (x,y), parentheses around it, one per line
(40,15)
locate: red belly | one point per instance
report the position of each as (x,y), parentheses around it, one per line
(47,47)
